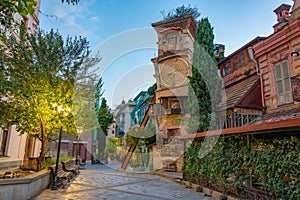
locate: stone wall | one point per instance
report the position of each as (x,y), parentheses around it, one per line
(24,188)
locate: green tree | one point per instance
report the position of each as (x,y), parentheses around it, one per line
(104,116)
(180,11)
(38,78)
(71,1)
(204,82)
(105,119)
(23,7)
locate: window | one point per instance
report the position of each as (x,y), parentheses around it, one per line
(228,68)
(242,60)
(224,70)
(175,106)
(236,64)
(171,38)
(122,119)
(136,117)
(283,83)
(171,133)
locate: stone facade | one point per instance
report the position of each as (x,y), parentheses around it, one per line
(172,67)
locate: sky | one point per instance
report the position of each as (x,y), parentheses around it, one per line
(120,32)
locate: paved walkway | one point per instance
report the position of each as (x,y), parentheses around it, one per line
(102,182)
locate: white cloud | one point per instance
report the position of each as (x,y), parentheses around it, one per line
(72,20)
(95,19)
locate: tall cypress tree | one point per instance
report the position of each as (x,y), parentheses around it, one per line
(105,118)
(204,82)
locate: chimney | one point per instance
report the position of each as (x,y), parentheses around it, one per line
(283,16)
(296,10)
(219,51)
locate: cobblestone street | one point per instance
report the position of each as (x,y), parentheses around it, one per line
(102,182)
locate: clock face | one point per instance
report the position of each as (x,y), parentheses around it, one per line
(174,72)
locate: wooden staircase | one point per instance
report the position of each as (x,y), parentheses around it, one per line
(133,147)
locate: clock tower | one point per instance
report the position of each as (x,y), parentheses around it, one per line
(172,68)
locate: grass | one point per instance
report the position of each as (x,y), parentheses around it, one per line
(52,161)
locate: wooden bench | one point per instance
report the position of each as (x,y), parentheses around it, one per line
(70,166)
(61,173)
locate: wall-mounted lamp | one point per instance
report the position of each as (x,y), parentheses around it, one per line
(295,53)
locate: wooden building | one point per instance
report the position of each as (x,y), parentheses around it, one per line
(241,105)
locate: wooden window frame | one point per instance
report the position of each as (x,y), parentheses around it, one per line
(169,37)
(283,83)
(236,64)
(242,60)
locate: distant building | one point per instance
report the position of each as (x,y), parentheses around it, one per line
(111,132)
(74,146)
(122,115)
(143,100)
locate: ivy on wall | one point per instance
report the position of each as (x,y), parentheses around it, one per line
(236,164)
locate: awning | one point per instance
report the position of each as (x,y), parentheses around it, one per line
(244,94)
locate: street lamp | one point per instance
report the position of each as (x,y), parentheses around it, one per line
(59,109)
(79,132)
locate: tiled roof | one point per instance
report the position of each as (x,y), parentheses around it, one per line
(281,115)
(268,127)
(249,44)
(237,91)
(183,22)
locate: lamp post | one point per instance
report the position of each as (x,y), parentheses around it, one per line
(79,132)
(54,186)
(55,178)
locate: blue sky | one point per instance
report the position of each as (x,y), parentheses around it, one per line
(120,30)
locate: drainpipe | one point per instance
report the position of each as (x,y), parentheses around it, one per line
(251,55)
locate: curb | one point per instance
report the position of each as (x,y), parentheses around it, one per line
(169,178)
(198,188)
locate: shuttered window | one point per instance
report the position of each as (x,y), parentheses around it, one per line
(283,83)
